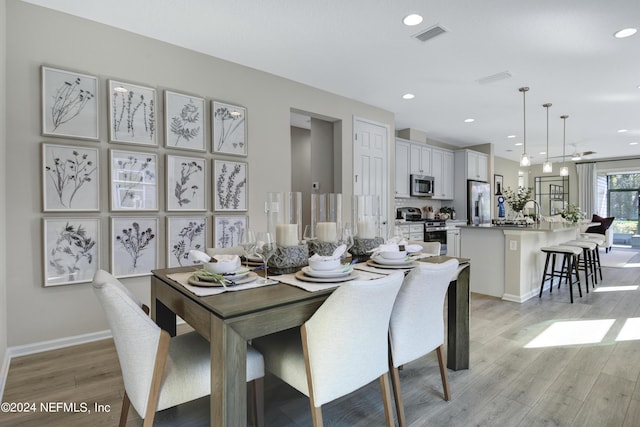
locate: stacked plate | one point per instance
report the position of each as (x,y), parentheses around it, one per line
(341,274)
(381,262)
(238,277)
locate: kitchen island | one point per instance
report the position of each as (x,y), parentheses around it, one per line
(507,260)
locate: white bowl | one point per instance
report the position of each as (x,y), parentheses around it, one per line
(321,264)
(226,264)
(393,254)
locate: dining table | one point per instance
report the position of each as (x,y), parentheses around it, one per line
(228,320)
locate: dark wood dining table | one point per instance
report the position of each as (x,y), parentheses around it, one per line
(230,319)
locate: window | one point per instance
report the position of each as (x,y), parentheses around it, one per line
(623,191)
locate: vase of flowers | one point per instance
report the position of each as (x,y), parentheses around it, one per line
(517,199)
(572,213)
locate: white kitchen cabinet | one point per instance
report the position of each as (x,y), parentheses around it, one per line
(403,149)
(477,166)
(453,242)
(442,172)
(420,162)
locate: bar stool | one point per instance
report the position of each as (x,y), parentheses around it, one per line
(587,262)
(570,257)
(599,240)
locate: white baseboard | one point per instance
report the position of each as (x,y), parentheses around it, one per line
(27,349)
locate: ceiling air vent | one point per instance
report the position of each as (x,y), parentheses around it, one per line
(430,33)
(494,78)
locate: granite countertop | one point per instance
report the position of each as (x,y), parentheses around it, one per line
(548,227)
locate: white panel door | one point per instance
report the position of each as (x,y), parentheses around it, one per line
(371,163)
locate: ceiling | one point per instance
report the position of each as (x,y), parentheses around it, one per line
(564,51)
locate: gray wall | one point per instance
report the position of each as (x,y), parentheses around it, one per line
(3,184)
(301,169)
(37,36)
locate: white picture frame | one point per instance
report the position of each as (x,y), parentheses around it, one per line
(134,180)
(134,246)
(186,183)
(70,178)
(229,229)
(185,124)
(185,233)
(229,124)
(71,250)
(230,185)
(70,107)
(132,114)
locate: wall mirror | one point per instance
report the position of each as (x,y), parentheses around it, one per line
(552,193)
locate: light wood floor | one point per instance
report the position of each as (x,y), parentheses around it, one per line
(594,384)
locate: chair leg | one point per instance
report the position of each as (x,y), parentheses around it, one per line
(256,392)
(124,413)
(443,372)
(386,399)
(316,416)
(397,393)
(316,413)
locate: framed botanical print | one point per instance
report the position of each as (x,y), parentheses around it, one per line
(184,121)
(71,250)
(229,129)
(70,178)
(132,113)
(186,190)
(183,235)
(134,246)
(230,182)
(229,230)
(69,104)
(134,181)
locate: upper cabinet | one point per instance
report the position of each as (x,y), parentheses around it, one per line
(477,165)
(420,162)
(420,159)
(442,171)
(403,150)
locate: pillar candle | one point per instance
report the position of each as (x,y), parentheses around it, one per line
(366,229)
(287,234)
(327,231)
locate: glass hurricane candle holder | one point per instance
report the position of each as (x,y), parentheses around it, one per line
(284,217)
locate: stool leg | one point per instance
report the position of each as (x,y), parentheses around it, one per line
(592,263)
(544,274)
(598,265)
(563,269)
(575,266)
(570,275)
(585,268)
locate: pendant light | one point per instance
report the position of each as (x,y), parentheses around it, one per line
(524,159)
(546,166)
(564,171)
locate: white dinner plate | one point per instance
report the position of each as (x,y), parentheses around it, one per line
(410,264)
(301,276)
(385,261)
(238,274)
(326,273)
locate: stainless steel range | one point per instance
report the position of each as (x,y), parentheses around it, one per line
(436,231)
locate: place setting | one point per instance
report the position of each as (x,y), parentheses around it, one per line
(392,256)
(218,274)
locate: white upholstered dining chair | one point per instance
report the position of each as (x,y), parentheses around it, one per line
(341,348)
(431,248)
(159,371)
(417,322)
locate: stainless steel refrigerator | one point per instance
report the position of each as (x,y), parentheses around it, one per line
(478,202)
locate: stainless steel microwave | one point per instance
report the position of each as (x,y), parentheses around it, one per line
(421,186)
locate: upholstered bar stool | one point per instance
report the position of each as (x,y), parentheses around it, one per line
(587,262)
(600,241)
(570,257)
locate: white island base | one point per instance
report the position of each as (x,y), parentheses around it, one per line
(507,261)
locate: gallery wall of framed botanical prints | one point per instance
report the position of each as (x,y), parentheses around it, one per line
(162,188)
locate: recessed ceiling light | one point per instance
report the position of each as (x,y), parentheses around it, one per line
(511,136)
(633,143)
(622,130)
(626,32)
(408,96)
(543,152)
(469,120)
(412,20)
(518,143)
